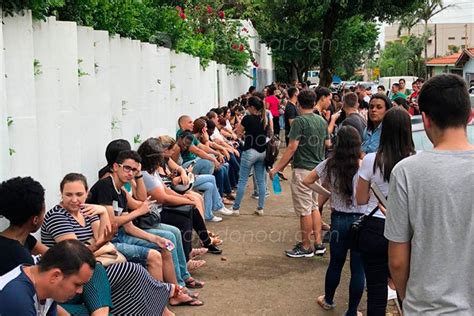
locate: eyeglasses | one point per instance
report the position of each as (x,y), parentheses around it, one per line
(128,168)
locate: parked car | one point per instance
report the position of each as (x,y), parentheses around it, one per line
(422,141)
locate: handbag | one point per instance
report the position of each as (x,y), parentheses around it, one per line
(184,210)
(356,228)
(179,188)
(149,220)
(110,254)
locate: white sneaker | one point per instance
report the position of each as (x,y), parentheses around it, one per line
(224,211)
(215,219)
(236,212)
(259,212)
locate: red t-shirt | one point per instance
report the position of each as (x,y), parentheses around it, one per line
(274,103)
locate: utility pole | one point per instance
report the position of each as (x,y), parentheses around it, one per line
(465,36)
(435,41)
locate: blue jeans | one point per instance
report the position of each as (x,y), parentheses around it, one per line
(212,198)
(222,179)
(251,158)
(179,259)
(234,169)
(130,248)
(339,245)
(202,166)
(142,243)
(265,181)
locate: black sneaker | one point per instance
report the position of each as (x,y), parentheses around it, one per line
(213,249)
(319,250)
(299,252)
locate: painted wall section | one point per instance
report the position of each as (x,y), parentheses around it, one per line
(66,91)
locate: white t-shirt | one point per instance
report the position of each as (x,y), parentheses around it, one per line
(228,126)
(216,135)
(366,172)
(339,201)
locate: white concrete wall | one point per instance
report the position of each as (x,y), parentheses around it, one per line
(88,88)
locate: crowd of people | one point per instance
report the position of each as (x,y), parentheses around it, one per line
(126,245)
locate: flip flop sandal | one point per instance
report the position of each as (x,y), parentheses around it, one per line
(192,302)
(211,234)
(193,265)
(216,241)
(191,293)
(196,252)
(192,283)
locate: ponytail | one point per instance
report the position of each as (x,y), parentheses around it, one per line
(263,113)
(257,103)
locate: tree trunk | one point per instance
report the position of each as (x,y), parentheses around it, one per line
(426,46)
(294,72)
(325,73)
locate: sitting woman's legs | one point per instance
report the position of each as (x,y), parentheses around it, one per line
(135,291)
(184,224)
(174,253)
(207,188)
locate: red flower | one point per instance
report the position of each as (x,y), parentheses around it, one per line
(182,16)
(221,14)
(241,47)
(255,64)
(245,30)
(179,8)
(235,46)
(209,9)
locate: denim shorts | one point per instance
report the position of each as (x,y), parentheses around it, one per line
(133,252)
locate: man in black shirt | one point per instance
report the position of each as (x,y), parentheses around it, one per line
(353,118)
(290,111)
(134,243)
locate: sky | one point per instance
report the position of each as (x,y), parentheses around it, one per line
(461,12)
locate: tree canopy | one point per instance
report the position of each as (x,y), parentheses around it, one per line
(318,32)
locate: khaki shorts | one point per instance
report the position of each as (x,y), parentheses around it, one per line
(305,200)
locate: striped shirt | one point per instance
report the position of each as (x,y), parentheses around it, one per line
(58,221)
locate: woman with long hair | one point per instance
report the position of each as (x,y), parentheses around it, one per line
(151,152)
(253,129)
(339,174)
(203,183)
(396,143)
(379,105)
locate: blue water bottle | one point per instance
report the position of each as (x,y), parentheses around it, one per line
(276,185)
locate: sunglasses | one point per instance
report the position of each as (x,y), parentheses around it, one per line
(128,168)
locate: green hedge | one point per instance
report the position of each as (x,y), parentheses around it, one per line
(200,30)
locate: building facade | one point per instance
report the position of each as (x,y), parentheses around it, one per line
(444,39)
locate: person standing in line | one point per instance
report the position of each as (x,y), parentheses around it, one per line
(339,172)
(353,118)
(378,106)
(274,107)
(253,128)
(430,208)
(396,143)
(308,140)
